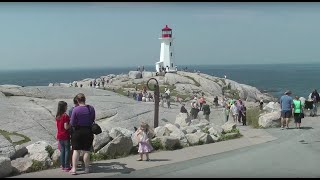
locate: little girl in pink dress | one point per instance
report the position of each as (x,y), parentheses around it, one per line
(143,134)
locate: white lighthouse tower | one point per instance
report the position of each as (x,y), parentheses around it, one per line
(166,52)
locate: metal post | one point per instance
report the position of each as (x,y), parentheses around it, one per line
(156,101)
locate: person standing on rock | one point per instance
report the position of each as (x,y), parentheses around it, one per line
(206,110)
(244,115)
(201,100)
(240,107)
(298,109)
(82,118)
(226,112)
(234,111)
(261,104)
(63,135)
(286,103)
(215,101)
(194,108)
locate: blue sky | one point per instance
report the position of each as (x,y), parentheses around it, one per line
(110,34)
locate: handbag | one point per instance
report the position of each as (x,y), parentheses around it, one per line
(96,129)
(301,115)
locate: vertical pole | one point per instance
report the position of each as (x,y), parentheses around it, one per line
(156,105)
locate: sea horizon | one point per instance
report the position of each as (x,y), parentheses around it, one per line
(300,78)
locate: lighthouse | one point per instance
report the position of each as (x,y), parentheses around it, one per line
(166,52)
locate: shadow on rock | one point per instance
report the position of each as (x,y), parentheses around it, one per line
(110,167)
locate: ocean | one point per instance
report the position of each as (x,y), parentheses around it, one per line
(301,79)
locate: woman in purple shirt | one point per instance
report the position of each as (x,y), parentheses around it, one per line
(81,121)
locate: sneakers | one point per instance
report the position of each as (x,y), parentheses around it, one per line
(66,169)
(282,128)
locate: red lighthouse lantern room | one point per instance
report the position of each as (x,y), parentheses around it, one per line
(166,32)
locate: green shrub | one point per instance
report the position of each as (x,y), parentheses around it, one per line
(50,150)
(36,166)
(206,130)
(157,144)
(253,117)
(196,82)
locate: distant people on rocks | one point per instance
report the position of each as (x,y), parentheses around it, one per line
(76,84)
(91,83)
(244,115)
(298,110)
(167,95)
(183,109)
(128,93)
(261,104)
(215,101)
(82,119)
(240,108)
(206,110)
(102,83)
(226,112)
(201,100)
(162,100)
(286,104)
(234,111)
(63,135)
(144,135)
(194,108)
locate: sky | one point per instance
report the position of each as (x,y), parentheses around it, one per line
(110,34)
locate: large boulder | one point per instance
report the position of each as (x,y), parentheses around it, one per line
(270,119)
(204,137)
(162,131)
(175,131)
(189,129)
(56,155)
(172,79)
(101,140)
(135,75)
(272,106)
(215,131)
(202,123)
(229,126)
(20,151)
(183,119)
(37,151)
(117,131)
(21,165)
(119,146)
(5,167)
(193,139)
(168,142)
(147,74)
(6,148)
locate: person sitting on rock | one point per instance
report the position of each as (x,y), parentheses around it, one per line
(183,109)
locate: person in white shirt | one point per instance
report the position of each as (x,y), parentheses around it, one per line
(234,111)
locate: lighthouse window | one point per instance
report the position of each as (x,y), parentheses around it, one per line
(170,54)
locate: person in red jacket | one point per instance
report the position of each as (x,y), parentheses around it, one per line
(63,135)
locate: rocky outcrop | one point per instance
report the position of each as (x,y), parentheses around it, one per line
(229,126)
(56,155)
(38,152)
(270,119)
(101,140)
(119,146)
(168,142)
(162,131)
(183,119)
(272,107)
(117,131)
(135,75)
(20,151)
(21,165)
(6,148)
(5,167)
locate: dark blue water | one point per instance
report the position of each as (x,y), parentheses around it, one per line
(301,79)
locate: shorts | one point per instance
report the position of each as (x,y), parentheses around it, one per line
(286,114)
(297,118)
(82,139)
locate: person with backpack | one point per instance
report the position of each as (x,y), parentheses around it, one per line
(206,110)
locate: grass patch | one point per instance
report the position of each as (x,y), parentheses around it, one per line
(36,166)
(157,144)
(233,134)
(206,130)
(253,117)
(120,91)
(196,82)
(7,135)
